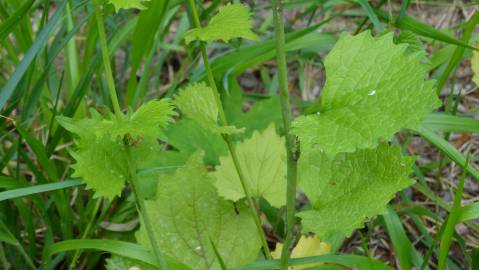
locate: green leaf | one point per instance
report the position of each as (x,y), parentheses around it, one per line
(188,137)
(30,190)
(127,4)
(350,261)
(101,158)
(259,117)
(451,123)
(164,162)
(370,12)
(187,213)
(232,21)
(373,90)
(475,67)
(408,37)
(116,262)
(197,101)
(121,248)
(352,187)
(263,159)
(102,166)
(41,39)
(147,121)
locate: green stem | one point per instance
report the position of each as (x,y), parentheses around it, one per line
(140,203)
(231,147)
(131,166)
(86,232)
(291,146)
(251,201)
(106,58)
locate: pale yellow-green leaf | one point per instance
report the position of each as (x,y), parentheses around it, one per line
(197,101)
(146,121)
(232,21)
(307,246)
(263,161)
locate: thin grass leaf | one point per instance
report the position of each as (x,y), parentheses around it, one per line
(22,192)
(122,248)
(403,11)
(41,40)
(10,238)
(40,152)
(405,252)
(6,236)
(251,55)
(9,182)
(458,54)
(149,21)
(370,12)
(13,20)
(83,86)
(425,30)
(469,212)
(56,48)
(353,261)
(450,123)
(447,149)
(452,220)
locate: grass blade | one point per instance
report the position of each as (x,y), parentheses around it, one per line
(17,75)
(447,149)
(425,30)
(40,152)
(7,235)
(21,192)
(353,261)
(450,123)
(372,16)
(405,252)
(12,21)
(402,12)
(458,53)
(451,221)
(122,248)
(9,182)
(469,212)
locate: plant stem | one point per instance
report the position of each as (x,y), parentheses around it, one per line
(231,147)
(86,232)
(131,166)
(106,58)
(251,202)
(291,146)
(140,203)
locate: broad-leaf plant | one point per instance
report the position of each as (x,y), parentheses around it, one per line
(202,210)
